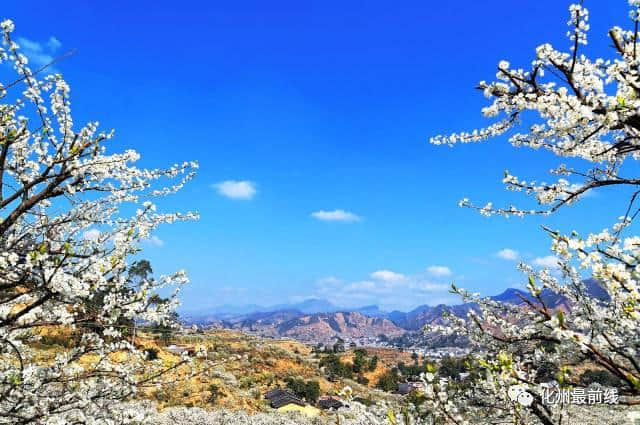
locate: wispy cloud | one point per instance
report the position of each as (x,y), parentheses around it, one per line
(154,241)
(439,271)
(328,281)
(508,254)
(388,276)
(236,189)
(39,54)
(549,261)
(336,215)
(588,194)
(232,291)
(388,289)
(53,44)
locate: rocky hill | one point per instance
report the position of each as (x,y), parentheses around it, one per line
(317,328)
(323,327)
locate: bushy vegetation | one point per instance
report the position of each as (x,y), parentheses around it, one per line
(309,390)
(410,370)
(359,360)
(389,381)
(373,363)
(334,367)
(361,363)
(601,377)
(214,393)
(152,353)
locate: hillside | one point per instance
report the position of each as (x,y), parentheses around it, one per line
(317,328)
(327,326)
(236,372)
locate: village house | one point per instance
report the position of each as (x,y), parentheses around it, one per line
(330,403)
(407,387)
(181,349)
(285,401)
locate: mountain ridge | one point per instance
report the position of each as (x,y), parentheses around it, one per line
(302,319)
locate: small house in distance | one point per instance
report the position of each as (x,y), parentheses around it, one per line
(180,349)
(330,403)
(285,401)
(406,387)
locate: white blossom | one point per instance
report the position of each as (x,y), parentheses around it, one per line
(65,251)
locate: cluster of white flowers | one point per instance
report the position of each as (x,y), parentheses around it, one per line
(589,109)
(355,414)
(65,252)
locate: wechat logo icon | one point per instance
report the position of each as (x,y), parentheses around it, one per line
(519,394)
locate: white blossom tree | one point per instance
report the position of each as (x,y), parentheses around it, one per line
(67,238)
(588,112)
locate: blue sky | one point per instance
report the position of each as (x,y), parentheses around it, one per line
(321,106)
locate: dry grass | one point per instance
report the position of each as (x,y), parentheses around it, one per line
(241,367)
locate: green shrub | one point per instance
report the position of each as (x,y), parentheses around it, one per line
(602,377)
(373,363)
(546,372)
(151,353)
(214,393)
(388,382)
(309,390)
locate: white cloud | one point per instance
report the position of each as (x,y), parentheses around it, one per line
(362,285)
(26,44)
(549,261)
(431,286)
(53,43)
(155,241)
(329,280)
(508,254)
(439,271)
(390,290)
(39,54)
(336,215)
(91,235)
(388,276)
(236,189)
(588,194)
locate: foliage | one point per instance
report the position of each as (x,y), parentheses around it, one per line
(152,353)
(359,360)
(388,381)
(410,370)
(334,366)
(452,367)
(547,371)
(309,390)
(601,377)
(214,393)
(373,363)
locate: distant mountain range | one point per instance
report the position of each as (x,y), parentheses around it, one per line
(309,306)
(321,327)
(317,320)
